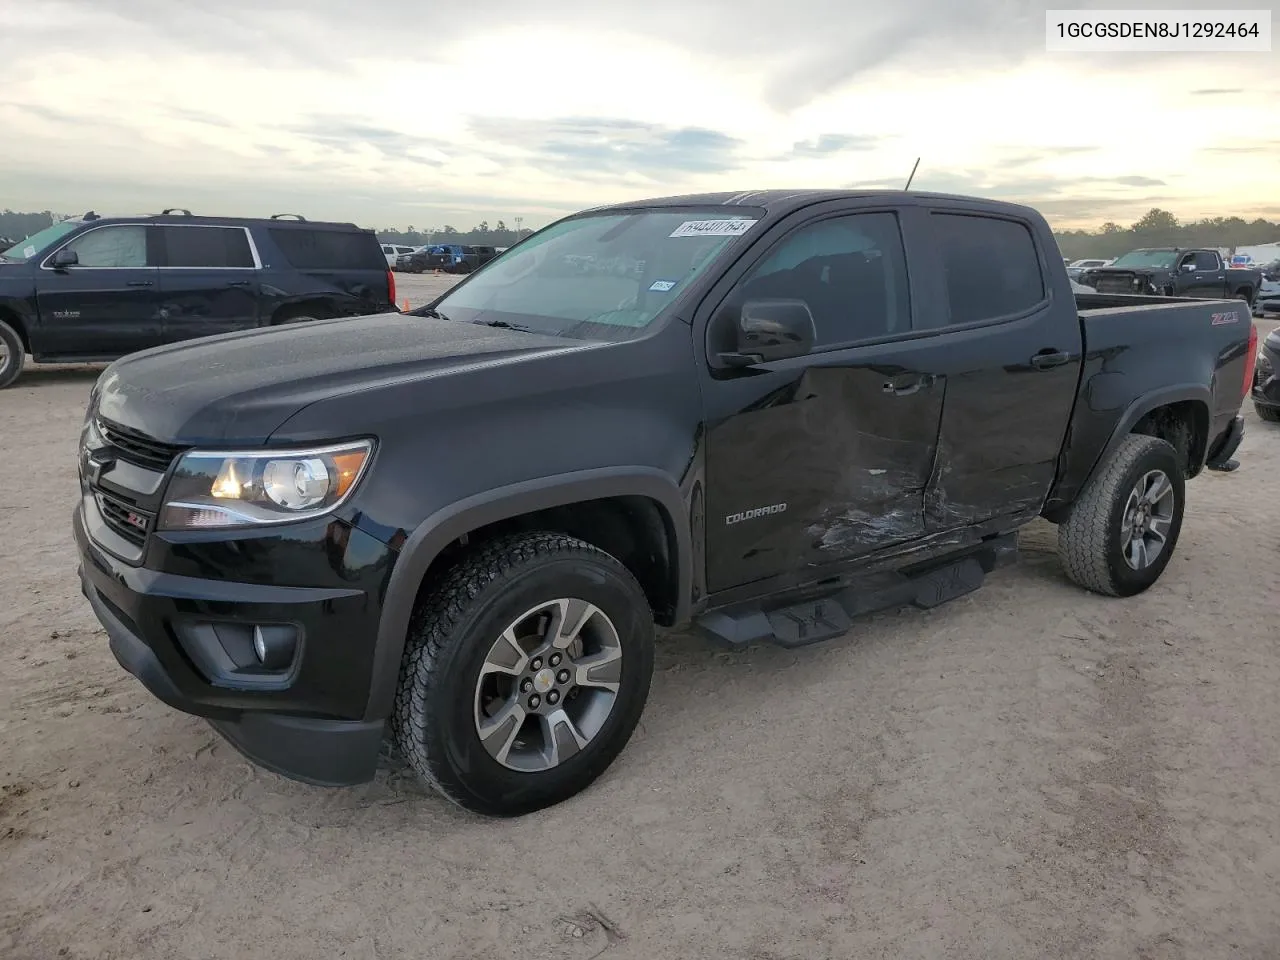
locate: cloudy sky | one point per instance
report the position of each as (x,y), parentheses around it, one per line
(420,112)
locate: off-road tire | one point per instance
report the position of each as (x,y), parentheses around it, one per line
(450,634)
(1089,539)
(11,367)
(1269,414)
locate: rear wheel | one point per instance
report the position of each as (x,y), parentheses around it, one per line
(524,674)
(12,355)
(1120,533)
(1269,414)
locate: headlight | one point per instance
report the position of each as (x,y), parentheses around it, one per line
(1263,363)
(210,489)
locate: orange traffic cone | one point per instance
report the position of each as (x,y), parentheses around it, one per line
(406,305)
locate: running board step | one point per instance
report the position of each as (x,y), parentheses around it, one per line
(824,618)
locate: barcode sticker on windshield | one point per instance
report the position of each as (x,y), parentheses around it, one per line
(713,228)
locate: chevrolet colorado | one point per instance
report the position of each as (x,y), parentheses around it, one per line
(757,414)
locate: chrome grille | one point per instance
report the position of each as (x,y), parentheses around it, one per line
(1118,283)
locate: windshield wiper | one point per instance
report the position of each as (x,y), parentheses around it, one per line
(503,324)
(429,312)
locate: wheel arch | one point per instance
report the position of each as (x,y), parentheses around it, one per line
(1178,414)
(14,319)
(591,504)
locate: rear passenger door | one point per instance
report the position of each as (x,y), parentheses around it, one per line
(1010,355)
(209,281)
(107,305)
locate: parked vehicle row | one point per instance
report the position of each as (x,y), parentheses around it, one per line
(759,414)
(93,288)
(449,257)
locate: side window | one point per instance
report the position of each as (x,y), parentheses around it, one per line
(850,270)
(1206,260)
(387,249)
(991,266)
(206,247)
(124,246)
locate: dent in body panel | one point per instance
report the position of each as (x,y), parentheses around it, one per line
(849,460)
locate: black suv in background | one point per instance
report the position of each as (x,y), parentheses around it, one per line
(98,288)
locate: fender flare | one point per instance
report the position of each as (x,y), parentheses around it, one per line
(446,525)
(1140,407)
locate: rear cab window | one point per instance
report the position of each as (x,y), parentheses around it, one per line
(990,264)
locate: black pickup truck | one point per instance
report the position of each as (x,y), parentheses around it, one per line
(1174,272)
(759,414)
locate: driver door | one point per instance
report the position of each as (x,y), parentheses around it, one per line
(1207,278)
(108,303)
(821,459)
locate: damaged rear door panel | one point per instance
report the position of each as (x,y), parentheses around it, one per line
(1010,353)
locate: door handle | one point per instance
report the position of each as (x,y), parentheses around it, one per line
(139,283)
(239,283)
(900,388)
(1050,358)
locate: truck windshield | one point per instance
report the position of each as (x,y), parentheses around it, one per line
(28,248)
(597,276)
(1160,259)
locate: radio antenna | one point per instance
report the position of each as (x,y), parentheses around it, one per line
(913,174)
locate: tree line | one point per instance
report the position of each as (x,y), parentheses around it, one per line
(1157,228)
(1160,228)
(499,235)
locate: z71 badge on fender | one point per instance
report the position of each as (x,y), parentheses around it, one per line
(1218,319)
(753,514)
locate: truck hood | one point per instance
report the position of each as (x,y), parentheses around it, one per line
(239,387)
(1135,271)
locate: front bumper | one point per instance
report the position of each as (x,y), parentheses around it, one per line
(1266,382)
(175,633)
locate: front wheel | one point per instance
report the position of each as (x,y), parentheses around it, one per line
(524,674)
(1120,533)
(1269,414)
(12,355)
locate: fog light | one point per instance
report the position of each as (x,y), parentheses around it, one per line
(273,646)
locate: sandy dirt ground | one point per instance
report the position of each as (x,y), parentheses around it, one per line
(1029,772)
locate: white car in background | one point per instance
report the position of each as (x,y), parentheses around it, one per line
(1268,298)
(393,250)
(1077,267)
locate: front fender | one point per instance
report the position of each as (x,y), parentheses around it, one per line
(448,524)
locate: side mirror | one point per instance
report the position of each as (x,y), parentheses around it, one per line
(65,258)
(769,330)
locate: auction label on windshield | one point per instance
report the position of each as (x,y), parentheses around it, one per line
(1157,31)
(713,228)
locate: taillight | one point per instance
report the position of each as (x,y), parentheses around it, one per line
(1251,360)
(391,287)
